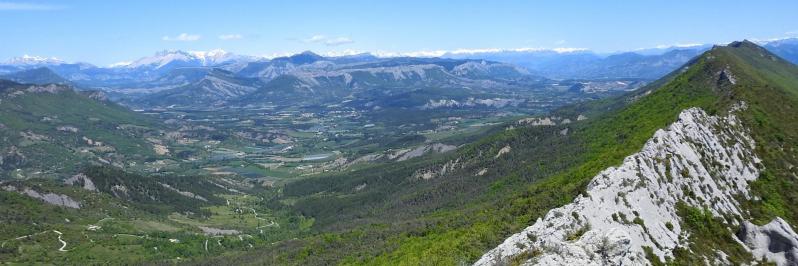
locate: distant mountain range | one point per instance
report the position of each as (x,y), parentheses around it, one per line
(216,77)
(589,65)
(308,78)
(554,63)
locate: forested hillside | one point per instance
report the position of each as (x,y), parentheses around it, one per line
(451,209)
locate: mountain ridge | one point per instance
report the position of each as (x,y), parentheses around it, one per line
(729,70)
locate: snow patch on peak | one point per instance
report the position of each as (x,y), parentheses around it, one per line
(702,160)
(121,64)
(213,57)
(198,58)
(161,58)
(211,53)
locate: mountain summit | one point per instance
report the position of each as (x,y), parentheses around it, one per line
(306,57)
(41,75)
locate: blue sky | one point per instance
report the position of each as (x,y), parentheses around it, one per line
(104,32)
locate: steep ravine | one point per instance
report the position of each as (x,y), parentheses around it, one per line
(704,161)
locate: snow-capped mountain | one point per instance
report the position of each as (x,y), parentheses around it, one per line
(28,62)
(178,58)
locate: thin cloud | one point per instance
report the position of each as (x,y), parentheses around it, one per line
(227,37)
(183,37)
(329,41)
(347,52)
(315,39)
(338,41)
(11,6)
(677,45)
(766,41)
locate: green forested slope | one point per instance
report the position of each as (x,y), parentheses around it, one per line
(454,217)
(45,130)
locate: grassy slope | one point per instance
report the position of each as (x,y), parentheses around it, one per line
(772,93)
(23,216)
(137,228)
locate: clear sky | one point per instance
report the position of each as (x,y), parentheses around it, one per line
(104,32)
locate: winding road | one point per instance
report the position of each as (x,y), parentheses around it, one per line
(63,243)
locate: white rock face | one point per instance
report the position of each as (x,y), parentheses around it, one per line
(775,241)
(472,102)
(503,150)
(436,171)
(536,121)
(183,193)
(421,150)
(218,232)
(49,197)
(700,159)
(311,76)
(79,179)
